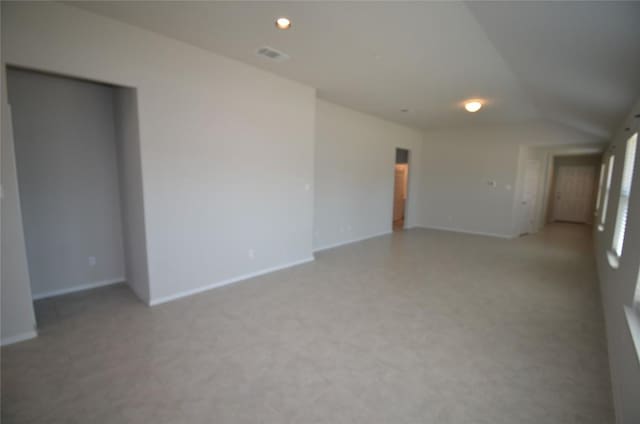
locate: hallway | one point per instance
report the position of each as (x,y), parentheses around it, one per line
(419,326)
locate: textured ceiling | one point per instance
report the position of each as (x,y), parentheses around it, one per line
(574,63)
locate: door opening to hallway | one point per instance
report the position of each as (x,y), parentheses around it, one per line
(400,191)
(574,188)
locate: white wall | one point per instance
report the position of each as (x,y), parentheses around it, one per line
(68,178)
(131,194)
(457,168)
(354,174)
(618,285)
(226,149)
(18,320)
(458,165)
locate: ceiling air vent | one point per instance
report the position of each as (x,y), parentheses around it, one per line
(272,54)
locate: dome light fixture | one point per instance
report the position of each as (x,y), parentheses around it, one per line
(473,105)
(283,23)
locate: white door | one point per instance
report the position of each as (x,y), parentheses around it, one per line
(529,197)
(574,194)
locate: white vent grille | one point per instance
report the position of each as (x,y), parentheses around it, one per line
(272,54)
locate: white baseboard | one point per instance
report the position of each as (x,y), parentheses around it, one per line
(165,299)
(81,287)
(18,338)
(476,233)
(342,243)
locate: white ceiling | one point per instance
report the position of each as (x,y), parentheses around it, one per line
(575,63)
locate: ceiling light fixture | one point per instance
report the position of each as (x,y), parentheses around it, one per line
(283,23)
(473,105)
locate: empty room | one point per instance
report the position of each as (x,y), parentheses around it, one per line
(320,212)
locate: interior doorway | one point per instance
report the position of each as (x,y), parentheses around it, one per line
(574,188)
(400,189)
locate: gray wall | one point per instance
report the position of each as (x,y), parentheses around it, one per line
(131,191)
(459,166)
(354,172)
(67,174)
(18,320)
(618,285)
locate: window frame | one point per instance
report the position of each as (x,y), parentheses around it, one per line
(607,190)
(603,171)
(626,182)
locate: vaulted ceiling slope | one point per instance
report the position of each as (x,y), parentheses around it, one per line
(578,62)
(574,63)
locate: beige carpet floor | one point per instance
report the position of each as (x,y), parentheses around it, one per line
(416,327)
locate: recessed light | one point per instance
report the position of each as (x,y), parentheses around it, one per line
(283,23)
(404,110)
(473,105)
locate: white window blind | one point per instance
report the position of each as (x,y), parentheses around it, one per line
(607,188)
(625,191)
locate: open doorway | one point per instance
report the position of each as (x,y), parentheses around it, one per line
(400,190)
(573,193)
(79,179)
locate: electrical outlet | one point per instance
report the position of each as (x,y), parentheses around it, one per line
(252,254)
(92,261)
